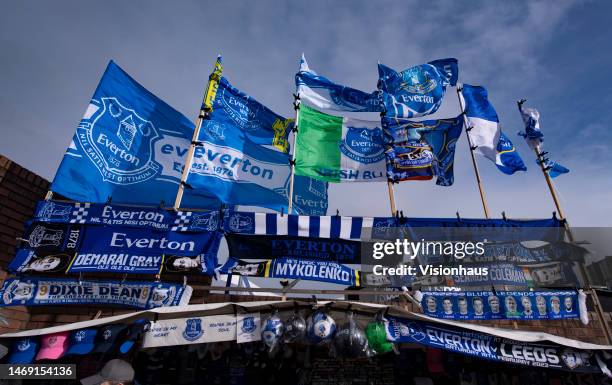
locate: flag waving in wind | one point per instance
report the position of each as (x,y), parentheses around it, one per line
(485,131)
(337,149)
(420,150)
(532,134)
(130,146)
(247,118)
(242,157)
(534,138)
(416,91)
(322,93)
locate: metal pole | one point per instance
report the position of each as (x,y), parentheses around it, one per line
(467,127)
(205,110)
(296,107)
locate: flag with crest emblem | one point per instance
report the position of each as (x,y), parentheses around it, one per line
(337,149)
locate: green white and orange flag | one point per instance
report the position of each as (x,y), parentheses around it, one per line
(339,149)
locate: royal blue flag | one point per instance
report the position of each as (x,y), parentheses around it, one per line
(237,115)
(554,168)
(408,158)
(416,91)
(130,147)
(242,158)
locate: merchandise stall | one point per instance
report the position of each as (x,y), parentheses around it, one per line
(305,342)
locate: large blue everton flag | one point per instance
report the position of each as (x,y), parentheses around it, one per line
(485,131)
(418,90)
(130,146)
(242,157)
(239,116)
(320,92)
(408,159)
(309,196)
(240,172)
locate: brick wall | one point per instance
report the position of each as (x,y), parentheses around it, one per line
(20,189)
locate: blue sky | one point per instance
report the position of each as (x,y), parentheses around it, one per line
(556,54)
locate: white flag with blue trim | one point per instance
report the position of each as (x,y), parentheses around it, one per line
(532,134)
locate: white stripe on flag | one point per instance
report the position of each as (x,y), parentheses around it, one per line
(281,224)
(366,224)
(260,223)
(303,225)
(324,226)
(345,227)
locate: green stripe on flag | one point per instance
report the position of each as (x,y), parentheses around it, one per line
(317,152)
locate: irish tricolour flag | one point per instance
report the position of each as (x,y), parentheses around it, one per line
(337,149)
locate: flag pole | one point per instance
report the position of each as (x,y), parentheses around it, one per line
(585,278)
(205,110)
(391,197)
(390,188)
(467,127)
(296,107)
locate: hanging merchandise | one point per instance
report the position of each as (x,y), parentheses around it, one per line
(115,249)
(520,305)
(292,268)
(321,327)
(192,330)
(489,347)
(248,327)
(365,228)
(272,332)
(33,291)
(267,246)
(350,340)
(377,338)
(295,328)
(154,218)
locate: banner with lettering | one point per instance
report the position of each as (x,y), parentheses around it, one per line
(336,226)
(291,268)
(193,330)
(115,249)
(130,146)
(59,237)
(51,291)
(553,274)
(271,247)
(154,218)
(519,305)
(540,355)
(521,253)
(29,261)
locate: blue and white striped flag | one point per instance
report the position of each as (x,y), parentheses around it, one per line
(296,225)
(320,92)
